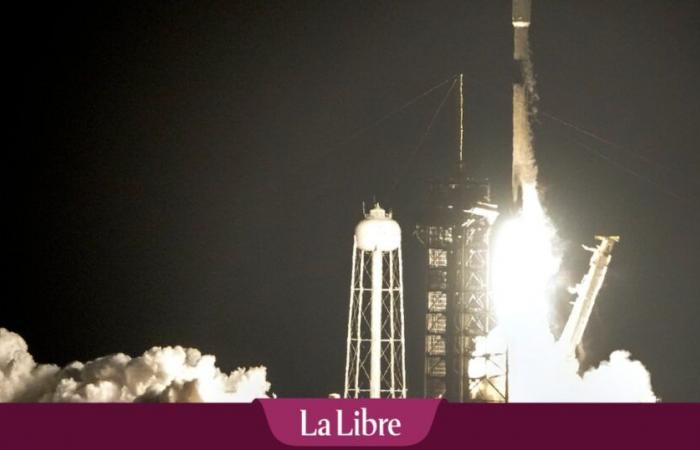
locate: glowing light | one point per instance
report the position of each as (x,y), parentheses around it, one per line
(524,264)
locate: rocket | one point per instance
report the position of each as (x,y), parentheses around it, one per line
(524,164)
(521,22)
(521,13)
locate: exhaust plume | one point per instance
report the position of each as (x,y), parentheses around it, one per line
(161,374)
(525,263)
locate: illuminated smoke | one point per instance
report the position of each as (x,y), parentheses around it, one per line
(525,262)
(524,265)
(161,374)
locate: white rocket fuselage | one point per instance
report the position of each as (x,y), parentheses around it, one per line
(524,164)
(521,23)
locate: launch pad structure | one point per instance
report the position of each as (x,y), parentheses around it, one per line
(460,363)
(463,360)
(455,232)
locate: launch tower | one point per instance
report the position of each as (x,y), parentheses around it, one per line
(455,231)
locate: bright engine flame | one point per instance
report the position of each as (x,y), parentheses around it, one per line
(524,266)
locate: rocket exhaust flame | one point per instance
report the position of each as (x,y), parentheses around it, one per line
(524,264)
(524,163)
(540,370)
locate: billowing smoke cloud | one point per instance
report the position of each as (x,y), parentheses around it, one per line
(541,370)
(161,374)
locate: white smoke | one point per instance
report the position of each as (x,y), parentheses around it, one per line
(161,374)
(540,372)
(525,263)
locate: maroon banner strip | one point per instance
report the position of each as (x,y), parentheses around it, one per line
(234,426)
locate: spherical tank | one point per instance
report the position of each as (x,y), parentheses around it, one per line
(378,231)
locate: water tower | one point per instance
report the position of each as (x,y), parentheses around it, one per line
(375,358)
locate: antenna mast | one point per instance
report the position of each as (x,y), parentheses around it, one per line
(461,116)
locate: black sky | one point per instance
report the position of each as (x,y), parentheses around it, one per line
(193,176)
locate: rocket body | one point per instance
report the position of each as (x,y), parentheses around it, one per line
(521,13)
(524,163)
(521,23)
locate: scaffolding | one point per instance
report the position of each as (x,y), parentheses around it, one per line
(455,231)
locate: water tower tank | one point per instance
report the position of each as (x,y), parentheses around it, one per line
(378,231)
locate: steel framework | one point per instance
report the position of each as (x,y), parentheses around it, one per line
(373,270)
(459,363)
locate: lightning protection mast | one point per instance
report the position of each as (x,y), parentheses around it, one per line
(455,231)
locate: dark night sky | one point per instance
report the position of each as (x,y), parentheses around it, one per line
(191,176)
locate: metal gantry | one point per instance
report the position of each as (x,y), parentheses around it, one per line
(459,362)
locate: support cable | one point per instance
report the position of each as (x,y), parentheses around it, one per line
(583,131)
(391,113)
(412,155)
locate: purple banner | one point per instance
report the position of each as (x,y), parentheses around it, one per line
(362,422)
(243,426)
